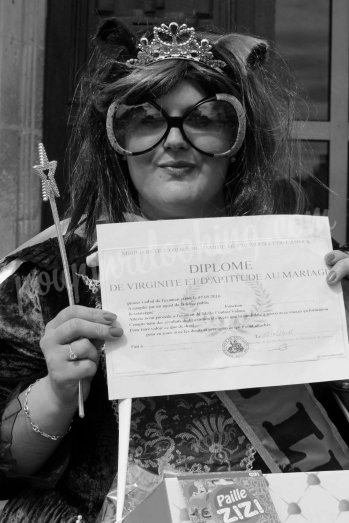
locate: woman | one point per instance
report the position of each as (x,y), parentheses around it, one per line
(155,140)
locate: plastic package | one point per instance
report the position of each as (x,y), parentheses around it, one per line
(140,483)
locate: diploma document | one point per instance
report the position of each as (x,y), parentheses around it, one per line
(221,303)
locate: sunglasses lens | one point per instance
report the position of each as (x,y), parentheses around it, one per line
(137,128)
(212,127)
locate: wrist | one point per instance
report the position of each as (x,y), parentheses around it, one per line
(63,400)
(34,426)
(45,413)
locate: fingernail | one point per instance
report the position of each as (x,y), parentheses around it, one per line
(109,317)
(331,277)
(330,257)
(116,332)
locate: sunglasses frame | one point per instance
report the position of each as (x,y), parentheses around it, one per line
(177,121)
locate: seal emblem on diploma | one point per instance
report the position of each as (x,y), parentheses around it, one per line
(235,346)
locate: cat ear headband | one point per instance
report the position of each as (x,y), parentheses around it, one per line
(174,41)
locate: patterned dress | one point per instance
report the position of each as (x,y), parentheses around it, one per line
(192,433)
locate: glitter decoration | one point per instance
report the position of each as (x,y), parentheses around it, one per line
(175,41)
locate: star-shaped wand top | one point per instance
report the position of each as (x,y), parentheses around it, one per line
(46,170)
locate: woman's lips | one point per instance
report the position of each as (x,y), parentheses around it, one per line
(177,167)
(176,163)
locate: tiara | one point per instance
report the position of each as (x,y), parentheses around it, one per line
(175,41)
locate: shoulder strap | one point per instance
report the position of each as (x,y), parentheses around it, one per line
(248,431)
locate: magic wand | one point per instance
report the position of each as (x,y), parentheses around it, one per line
(46,171)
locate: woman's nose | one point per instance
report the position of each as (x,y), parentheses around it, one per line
(175,140)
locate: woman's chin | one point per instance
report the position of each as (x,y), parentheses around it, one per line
(182,208)
(188,203)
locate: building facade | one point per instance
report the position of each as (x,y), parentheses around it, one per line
(45,43)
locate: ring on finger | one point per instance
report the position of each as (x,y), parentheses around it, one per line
(72,355)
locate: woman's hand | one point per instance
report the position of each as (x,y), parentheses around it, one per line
(338,262)
(83,331)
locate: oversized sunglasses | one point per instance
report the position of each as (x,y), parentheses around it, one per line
(215,126)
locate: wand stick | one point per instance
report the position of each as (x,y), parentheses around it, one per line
(125,407)
(46,171)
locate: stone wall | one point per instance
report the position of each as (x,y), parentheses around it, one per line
(22,39)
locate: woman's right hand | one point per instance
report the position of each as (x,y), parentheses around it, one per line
(85,330)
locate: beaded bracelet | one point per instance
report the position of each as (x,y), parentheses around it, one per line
(33,425)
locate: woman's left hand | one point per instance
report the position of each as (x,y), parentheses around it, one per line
(338,262)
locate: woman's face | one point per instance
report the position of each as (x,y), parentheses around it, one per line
(175,180)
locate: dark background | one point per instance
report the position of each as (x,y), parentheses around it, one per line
(70,25)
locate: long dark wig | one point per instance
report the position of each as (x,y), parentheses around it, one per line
(260,181)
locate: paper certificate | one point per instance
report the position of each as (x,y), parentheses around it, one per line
(221,303)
